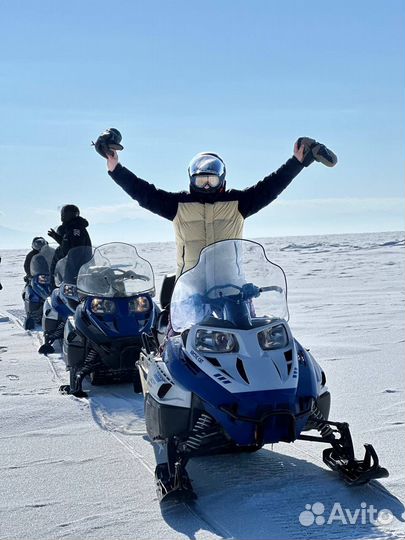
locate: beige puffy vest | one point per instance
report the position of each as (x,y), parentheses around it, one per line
(198,225)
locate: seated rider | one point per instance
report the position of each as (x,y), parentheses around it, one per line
(208,212)
(37,244)
(71,233)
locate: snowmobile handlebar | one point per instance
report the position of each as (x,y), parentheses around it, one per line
(247,292)
(271,288)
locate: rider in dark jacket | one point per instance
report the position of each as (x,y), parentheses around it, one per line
(37,244)
(208,212)
(71,233)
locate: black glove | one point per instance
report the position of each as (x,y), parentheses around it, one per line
(57,237)
(315,151)
(26,279)
(107,142)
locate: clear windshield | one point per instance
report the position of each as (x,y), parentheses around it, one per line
(116,270)
(67,269)
(231,277)
(41,263)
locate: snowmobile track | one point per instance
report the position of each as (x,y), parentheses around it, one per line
(194,508)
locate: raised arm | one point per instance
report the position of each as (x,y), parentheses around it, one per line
(148,196)
(158,201)
(264,192)
(306,150)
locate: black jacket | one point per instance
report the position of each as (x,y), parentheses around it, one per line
(27,262)
(74,234)
(165,203)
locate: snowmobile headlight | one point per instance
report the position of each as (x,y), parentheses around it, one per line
(214,341)
(140,304)
(273,338)
(43,279)
(102,306)
(70,291)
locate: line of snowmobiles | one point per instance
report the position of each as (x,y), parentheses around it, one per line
(102,303)
(217,363)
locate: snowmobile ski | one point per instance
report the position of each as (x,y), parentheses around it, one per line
(353,471)
(174,488)
(46,349)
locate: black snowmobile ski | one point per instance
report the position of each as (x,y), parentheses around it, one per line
(29,323)
(50,338)
(65,390)
(175,488)
(75,387)
(340,457)
(354,471)
(46,349)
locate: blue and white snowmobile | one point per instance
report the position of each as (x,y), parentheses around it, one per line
(234,378)
(64,299)
(103,338)
(38,287)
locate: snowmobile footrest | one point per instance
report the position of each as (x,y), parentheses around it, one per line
(355,472)
(174,488)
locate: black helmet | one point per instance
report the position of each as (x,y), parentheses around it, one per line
(38,243)
(69,212)
(207,164)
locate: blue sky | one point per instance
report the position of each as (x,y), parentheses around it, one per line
(241,78)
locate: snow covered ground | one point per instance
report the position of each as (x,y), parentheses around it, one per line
(75,468)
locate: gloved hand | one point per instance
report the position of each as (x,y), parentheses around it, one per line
(26,279)
(108,141)
(315,151)
(57,237)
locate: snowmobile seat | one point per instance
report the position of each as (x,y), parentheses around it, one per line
(166,291)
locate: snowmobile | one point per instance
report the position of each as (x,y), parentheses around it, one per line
(64,299)
(38,287)
(103,338)
(232,377)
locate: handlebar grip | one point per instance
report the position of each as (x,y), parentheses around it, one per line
(272,288)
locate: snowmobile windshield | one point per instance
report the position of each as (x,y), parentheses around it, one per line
(233,282)
(116,270)
(41,263)
(67,269)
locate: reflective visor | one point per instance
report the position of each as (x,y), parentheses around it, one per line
(204,164)
(202,180)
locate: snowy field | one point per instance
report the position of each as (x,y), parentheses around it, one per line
(74,468)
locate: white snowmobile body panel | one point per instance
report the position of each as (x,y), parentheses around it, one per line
(155,378)
(261,369)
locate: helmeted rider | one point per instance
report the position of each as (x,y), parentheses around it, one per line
(38,242)
(71,233)
(209,212)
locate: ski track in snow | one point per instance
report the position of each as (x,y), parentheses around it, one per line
(256,496)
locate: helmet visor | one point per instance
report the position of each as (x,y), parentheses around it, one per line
(203,180)
(205,164)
